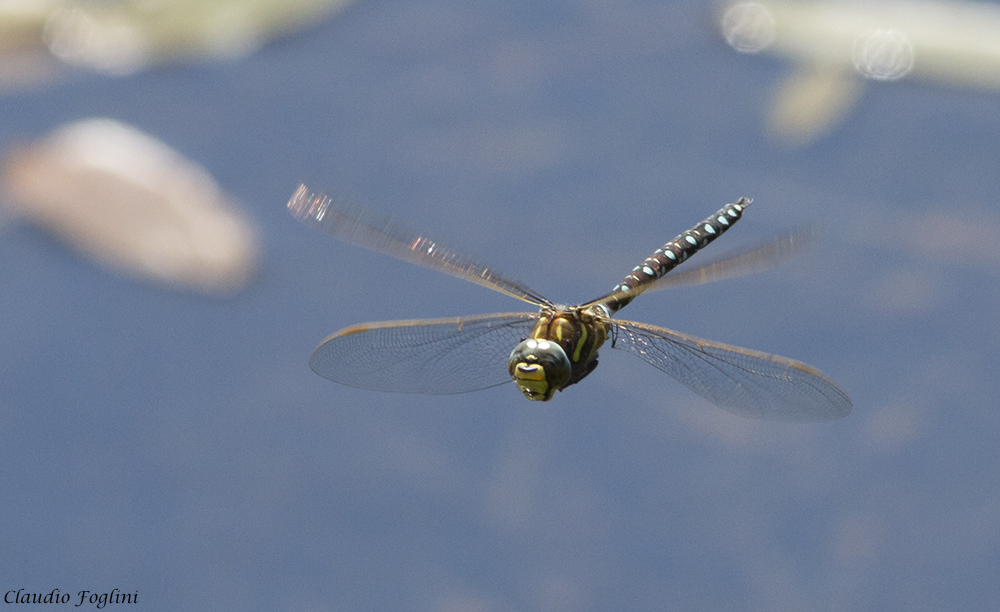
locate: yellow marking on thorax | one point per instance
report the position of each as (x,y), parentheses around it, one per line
(541,331)
(564,331)
(579,343)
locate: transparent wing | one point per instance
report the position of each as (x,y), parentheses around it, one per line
(364,229)
(749,259)
(742,381)
(433,356)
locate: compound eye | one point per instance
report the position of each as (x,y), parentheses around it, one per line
(540,368)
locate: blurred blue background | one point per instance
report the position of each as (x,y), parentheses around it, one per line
(180,446)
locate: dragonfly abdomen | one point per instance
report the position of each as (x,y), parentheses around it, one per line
(673,253)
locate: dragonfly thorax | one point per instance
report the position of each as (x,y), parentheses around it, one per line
(561,351)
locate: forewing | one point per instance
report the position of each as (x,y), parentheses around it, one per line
(433,356)
(742,381)
(362,228)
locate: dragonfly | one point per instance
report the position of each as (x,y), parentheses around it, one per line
(557,346)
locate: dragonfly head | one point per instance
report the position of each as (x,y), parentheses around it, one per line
(540,368)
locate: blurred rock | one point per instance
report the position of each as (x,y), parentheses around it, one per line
(837,45)
(122,37)
(131,203)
